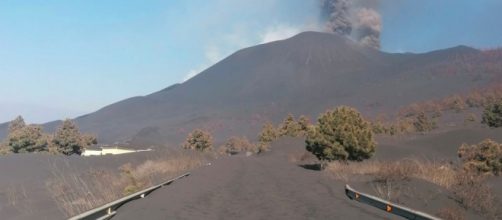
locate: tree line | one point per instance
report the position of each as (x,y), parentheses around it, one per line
(66,140)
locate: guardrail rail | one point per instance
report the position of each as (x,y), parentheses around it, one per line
(386,205)
(109,210)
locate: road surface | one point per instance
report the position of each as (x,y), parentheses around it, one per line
(267,186)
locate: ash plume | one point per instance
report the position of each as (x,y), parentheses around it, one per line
(347,18)
(337,13)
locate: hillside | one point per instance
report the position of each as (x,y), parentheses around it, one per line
(304,75)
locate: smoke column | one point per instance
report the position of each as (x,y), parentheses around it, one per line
(344,17)
(337,13)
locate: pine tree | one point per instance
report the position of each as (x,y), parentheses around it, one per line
(341,134)
(68,140)
(492,115)
(26,139)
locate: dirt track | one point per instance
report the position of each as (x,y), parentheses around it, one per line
(256,187)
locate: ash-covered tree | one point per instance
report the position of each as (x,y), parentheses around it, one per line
(68,140)
(289,127)
(268,133)
(341,134)
(198,140)
(485,157)
(24,138)
(235,145)
(27,139)
(17,124)
(492,115)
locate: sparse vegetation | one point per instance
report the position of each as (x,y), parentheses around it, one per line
(341,134)
(432,110)
(441,174)
(304,124)
(289,127)
(235,145)
(267,135)
(470,191)
(134,184)
(75,192)
(492,115)
(423,123)
(485,157)
(199,140)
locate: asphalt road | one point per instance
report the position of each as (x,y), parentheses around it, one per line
(255,187)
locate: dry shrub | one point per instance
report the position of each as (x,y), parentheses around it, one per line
(485,157)
(441,174)
(77,192)
(451,213)
(471,191)
(386,189)
(235,145)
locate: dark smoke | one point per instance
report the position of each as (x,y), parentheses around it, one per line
(337,13)
(346,18)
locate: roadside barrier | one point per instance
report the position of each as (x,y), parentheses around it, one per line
(110,209)
(386,205)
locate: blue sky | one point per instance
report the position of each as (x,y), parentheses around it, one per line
(63,58)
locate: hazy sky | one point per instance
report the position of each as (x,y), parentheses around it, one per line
(62,58)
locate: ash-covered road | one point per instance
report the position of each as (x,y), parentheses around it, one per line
(255,187)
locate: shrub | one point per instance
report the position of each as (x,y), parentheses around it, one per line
(472,192)
(492,115)
(133,183)
(4,149)
(341,134)
(236,145)
(423,123)
(485,157)
(199,140)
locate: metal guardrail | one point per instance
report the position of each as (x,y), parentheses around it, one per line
(387,206)
(109,210)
